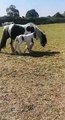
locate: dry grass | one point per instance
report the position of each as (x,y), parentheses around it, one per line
(32,87)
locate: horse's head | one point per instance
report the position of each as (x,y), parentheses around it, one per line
(41,36)
(43,39)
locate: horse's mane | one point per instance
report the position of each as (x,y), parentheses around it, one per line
(35,26)
(31,24)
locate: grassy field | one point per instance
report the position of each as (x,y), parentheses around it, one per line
(32,87)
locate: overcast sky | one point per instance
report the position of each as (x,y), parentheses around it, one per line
(43,7)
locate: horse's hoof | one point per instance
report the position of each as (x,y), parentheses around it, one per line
(16,53)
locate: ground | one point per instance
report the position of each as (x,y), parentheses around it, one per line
(32,86)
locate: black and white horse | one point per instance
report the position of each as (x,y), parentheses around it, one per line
(13,30)
(24,38)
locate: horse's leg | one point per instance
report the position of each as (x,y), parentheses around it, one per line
(17,46)
(4,38)
(31,44)
(11,44)
(28,47)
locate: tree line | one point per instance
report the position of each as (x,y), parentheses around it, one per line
(32,15)
(13,12)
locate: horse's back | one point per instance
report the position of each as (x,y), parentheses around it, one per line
(16,30)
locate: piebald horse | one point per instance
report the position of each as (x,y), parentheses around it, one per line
(13,30)
(24,38)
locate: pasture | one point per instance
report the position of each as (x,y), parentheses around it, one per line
(32,86)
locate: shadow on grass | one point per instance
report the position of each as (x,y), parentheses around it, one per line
(41,54)
(36,53)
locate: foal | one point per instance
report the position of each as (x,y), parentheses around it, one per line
(28,38)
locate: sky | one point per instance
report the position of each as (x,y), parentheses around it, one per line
(43,7)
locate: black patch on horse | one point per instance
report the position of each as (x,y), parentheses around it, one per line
(22,38)
(30,29)
(17,30)
(35,35)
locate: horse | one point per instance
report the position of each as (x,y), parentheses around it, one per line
(26,38)
(13,30)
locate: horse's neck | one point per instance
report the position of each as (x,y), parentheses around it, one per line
(30,35)
(27,37)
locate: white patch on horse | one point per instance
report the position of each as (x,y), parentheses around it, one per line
(9,29)
(26,38)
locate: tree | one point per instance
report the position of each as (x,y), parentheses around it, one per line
(12,11)
(32,13)
(58,15)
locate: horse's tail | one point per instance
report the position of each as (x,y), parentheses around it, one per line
(4,38)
